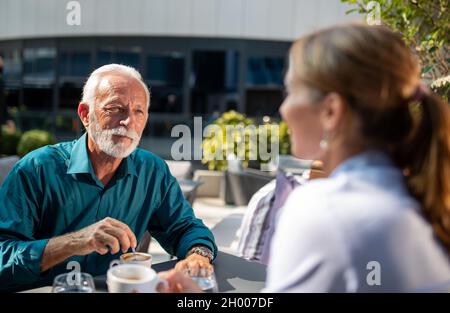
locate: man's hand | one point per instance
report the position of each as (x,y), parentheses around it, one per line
(177,282)
(106,235)
(195,265)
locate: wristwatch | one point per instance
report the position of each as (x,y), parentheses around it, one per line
(203,251)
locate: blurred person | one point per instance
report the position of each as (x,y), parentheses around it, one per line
(90,199)
(261,216)
(380,219)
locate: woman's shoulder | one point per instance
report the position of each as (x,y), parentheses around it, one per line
(311,201)
(318,190)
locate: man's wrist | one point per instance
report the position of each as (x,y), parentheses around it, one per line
(73,243)
(57,250)
(201,250)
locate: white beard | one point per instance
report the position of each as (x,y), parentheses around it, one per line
(103,138)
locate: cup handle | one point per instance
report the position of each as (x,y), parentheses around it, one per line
(114,263)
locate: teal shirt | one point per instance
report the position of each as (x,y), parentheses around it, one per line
(53,191)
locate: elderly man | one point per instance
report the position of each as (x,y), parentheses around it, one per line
(90,199)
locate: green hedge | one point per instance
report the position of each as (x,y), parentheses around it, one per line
(34,139)
(10,140)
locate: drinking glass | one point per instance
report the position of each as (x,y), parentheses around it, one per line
(205,280)
(73,282)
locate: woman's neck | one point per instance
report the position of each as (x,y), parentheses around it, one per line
(335,156)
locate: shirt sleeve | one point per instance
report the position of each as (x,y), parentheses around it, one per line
(307,252)
(174,224)
(20,251)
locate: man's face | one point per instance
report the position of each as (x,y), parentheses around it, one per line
(119,115)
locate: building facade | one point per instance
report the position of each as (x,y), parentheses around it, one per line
(197,56)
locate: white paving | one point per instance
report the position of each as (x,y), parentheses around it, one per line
(212,211)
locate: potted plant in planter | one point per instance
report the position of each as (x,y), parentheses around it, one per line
(217,150)
(233,147)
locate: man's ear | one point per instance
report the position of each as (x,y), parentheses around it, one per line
(333,112)
(83,113)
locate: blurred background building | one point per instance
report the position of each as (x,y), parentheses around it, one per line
(197,56)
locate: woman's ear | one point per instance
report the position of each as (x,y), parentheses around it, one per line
(83,113)
(332,112)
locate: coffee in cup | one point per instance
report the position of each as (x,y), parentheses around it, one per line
(140,258)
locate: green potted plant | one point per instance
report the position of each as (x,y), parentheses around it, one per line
(237,139)
(215,148)
(285,143)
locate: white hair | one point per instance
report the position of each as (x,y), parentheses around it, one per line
(91,86)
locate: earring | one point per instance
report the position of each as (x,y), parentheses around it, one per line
(323,143)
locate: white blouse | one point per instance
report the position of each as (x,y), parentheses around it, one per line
(357,231)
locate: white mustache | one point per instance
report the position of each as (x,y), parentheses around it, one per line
(122,131)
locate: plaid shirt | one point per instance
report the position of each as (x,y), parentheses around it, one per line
(259,222)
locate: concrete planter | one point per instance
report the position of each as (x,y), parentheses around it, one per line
(241,186)
(211,183)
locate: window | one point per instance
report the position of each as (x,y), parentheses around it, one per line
(264,85)
(164,75)
(12,68)
(265,71)
(165,70)
(166,100)
(38,78)
(104,57)
(263,102)
(130,57)
(12,71)
(70,95)
(215,81)
(75,64)
(39,66)
(38,98)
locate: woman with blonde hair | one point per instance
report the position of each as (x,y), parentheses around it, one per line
(380,220)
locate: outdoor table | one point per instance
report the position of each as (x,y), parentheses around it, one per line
(233,274)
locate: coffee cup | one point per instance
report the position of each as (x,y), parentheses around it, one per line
(139,258)
(132,278)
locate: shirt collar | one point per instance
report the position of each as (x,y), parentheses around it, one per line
(362,161)
(79,159)
(80,163)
